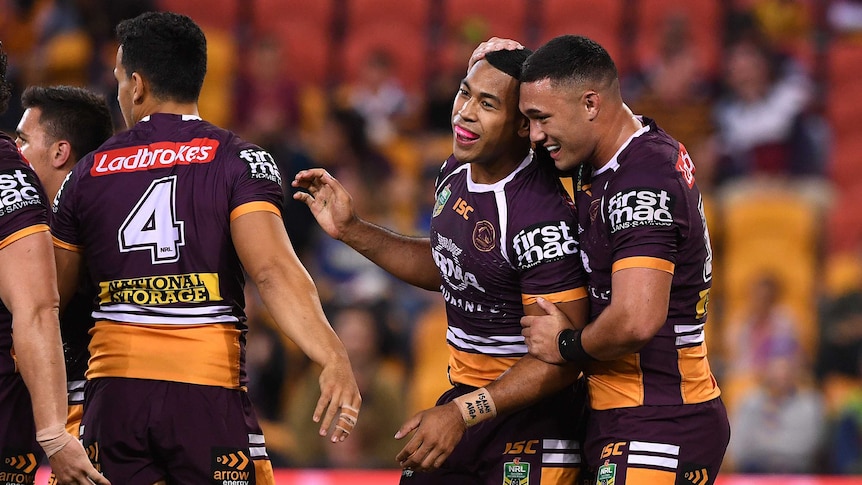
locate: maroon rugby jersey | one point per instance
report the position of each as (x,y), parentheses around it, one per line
(150,210)
(498,247)
(23,211)
(644,209)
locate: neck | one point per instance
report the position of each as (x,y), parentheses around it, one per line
(167,107)
(495,171)
(619,127)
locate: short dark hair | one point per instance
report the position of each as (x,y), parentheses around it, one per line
(570,59)
(71,113)
(5,85)
(508,61)
(167,48)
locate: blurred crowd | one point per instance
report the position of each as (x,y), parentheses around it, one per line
(764,94)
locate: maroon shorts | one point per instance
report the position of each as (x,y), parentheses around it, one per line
(138,432)
(20,454)
(539,444)
(658,445)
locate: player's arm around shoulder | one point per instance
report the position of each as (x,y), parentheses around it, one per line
(291,297)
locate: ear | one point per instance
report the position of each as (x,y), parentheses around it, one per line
(592,102)
(61,152)
(524,127)
(139,88)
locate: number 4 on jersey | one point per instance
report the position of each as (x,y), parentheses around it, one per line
(153,223)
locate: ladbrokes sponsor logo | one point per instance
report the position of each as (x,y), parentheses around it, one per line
(640,207)
(18,469)
(231,467)
(159,290)
(544,243)
(17,190)
(261,165)
(155,155)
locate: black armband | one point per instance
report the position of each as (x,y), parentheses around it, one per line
(572,350)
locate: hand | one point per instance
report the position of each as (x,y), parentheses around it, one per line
(328,200)
(72,467)
(542,332)
(339,395)
(438,430)
(491,45)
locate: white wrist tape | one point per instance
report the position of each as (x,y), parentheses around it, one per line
(53,439)
(476,406)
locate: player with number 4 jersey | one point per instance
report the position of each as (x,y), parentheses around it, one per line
(168,216)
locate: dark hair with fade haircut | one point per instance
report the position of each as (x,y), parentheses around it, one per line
(73,114)
(570,59)
(5,85)
(509,61)
(167,48)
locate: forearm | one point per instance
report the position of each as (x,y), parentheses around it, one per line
(407,258)
(39,352)
(529,381)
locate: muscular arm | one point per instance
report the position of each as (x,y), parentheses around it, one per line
(291,297)
(407,258)
(68,271)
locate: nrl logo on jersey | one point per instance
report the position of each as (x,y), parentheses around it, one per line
(18,189)
(442,197)
(544,243)
(261,165)
(640,207)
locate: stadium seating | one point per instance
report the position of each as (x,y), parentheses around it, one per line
(504,18)
(213,14)
(600,21)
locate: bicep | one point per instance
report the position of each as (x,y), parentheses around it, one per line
(577,311)
(68,273)
(644,295)
(261,243)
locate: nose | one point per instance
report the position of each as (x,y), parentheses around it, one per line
(468,110)
(537,136)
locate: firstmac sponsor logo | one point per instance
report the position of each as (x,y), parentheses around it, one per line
(544,243)
(155,155)
(640,207)
(18,189)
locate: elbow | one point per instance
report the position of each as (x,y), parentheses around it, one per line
(639,329)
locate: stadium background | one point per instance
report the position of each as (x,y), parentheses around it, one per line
(766,95)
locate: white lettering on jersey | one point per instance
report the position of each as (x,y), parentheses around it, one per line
(17,190)
(154,155)
(640,207)
(261,165)
(544,243)
(450,268)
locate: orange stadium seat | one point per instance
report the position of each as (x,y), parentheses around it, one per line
(705,21)
(219,14)
(269,14)
(600,21)
(306,49)
(405,44)
(504,18)
(386,12)
(771,232)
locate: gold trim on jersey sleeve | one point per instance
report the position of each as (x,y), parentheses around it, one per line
(643,262)
(476,370)
(559,297)
(254,207)
(21,233)
(68,247)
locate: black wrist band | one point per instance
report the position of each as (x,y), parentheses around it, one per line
(572,350)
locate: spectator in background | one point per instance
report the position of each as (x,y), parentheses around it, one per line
(778,426)
(676,92)
(846,442)
(378,96)
(841,336)
(767,328)
(762,118)
(381,383)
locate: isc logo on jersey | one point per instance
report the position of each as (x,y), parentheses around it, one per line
(155,155)
(261,165)
(17,190)
(640,207)
(544,243)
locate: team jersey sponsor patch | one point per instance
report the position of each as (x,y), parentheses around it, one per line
(516,473)
(484,236)
(17,468)
(231,466)
(640,207)
(442,197)
(18,189)
(155,155)
(160,290)
(544,243)
(261,165)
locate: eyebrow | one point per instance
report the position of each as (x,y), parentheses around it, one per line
(482,94)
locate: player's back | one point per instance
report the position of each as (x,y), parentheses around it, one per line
(150,210)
